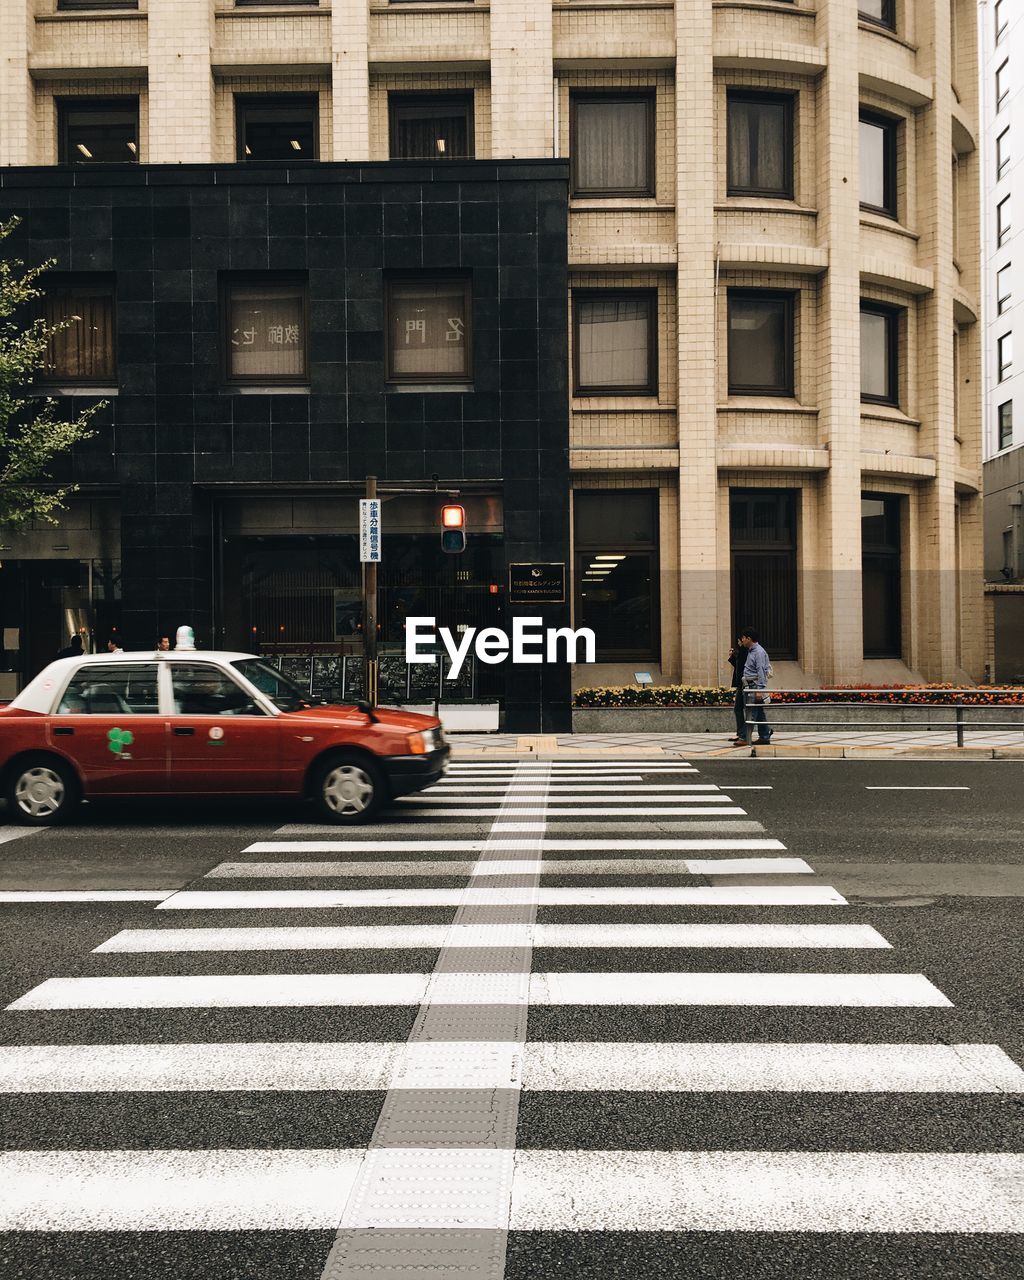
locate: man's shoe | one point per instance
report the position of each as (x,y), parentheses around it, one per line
(740,742)
(763,741)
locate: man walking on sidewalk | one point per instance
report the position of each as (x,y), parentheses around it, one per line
(756,670)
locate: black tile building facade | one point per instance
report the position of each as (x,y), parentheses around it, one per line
(265,337)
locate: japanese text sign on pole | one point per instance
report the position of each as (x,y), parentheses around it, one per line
(369,530)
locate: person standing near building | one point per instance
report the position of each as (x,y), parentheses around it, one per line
(113,646)
(756,670)
(73,650)
(737,658)
(163,644)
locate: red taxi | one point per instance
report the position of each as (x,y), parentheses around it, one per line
(185,723)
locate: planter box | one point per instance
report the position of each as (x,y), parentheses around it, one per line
(720,719)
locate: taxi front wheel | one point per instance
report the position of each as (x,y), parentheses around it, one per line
(41,791)
(348,789)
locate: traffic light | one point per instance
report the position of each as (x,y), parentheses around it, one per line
(453,528)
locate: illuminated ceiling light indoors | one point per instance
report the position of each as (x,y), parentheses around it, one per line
(295,144)
(80,146)
(248,149)
(132,148)
(441,145)
(609,558)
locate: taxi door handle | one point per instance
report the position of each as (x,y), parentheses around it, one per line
(184,731)
(63,732)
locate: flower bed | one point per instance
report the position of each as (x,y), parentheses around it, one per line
(684,695)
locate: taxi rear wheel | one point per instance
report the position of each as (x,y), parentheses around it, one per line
(41,791)
(348,789)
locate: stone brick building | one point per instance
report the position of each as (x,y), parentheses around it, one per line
(773,273)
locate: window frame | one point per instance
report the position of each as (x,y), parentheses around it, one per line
(649,97)
(64,105)
(1000,24)
(1003,300)
(1004,436)
(399,98)
(890,125)
(789,298)
(888,558)
(647,295)
(887,22)
(229,279)
(1004,367)
(773,98)
(68,282)
(1001,93)
(85,6)
(245,101)
(391,283)
(263,4)
(1002,161)
(892,316)
(1003,229)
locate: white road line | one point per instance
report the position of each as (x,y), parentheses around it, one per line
(805,990)
(917,788)
(174,1190)
(576,787)
(474,846)
(841,1191)
(593,795)
(691,896)
(548,811)
(84,895)
(361,990)
(513,866)
(783,1068)
(227,991)
(390,937)
(460,782)
(156,1068)
(588,766)
(7,834)
(554,1066)
(751,788)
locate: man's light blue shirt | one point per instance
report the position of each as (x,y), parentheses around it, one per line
(755,669)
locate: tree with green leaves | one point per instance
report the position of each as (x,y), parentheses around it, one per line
(32,433)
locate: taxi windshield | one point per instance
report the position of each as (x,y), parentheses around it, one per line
(284,693)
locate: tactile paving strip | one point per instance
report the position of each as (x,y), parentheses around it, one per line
(433,1194)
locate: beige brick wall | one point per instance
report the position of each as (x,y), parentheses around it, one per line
(690,241)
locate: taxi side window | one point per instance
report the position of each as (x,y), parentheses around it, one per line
(205,691)
(108,690)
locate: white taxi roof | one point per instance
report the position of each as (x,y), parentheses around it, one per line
(38,694)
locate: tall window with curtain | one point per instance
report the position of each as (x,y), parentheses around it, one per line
(614,342)
(761,342)
(265,330)
(84,351)
(612,143)
(760,144)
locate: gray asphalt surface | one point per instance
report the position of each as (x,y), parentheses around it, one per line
(940,874)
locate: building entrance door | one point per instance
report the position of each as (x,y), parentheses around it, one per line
(764,584)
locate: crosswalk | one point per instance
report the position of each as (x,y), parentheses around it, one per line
(492,1025)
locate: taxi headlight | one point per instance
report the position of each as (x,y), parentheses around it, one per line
(421,744)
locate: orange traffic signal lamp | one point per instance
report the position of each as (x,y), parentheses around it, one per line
(453,528)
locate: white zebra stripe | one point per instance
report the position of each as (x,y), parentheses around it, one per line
(511,867)
(390,937)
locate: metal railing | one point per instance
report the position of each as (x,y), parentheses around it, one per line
(878,700)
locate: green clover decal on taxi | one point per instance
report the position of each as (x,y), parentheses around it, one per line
(118,739)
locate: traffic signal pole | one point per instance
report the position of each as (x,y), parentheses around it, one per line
(370,616)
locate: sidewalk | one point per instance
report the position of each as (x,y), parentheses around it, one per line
(823,744)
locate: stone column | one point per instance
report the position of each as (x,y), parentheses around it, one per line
(522,90)
(834,650)
(350,80)
(17,108)
(180,82)
(695,233)
(938,622)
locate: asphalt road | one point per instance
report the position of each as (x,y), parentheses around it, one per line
(718,1085)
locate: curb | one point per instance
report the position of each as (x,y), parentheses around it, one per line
(837,752)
